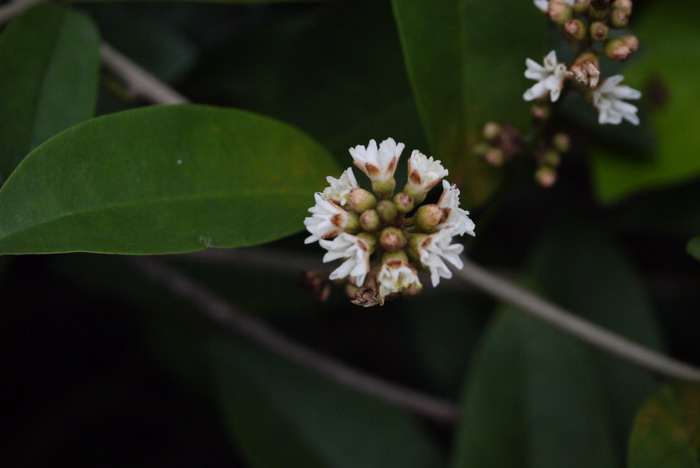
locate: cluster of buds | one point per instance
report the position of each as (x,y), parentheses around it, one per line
(549,158)
(501,142)
(384,238)
(587,25)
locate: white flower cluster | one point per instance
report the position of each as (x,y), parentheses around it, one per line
(350,224)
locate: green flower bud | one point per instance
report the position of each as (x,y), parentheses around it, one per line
(561,142)
(495,157)
(353,223)
(618,18)
(551,158)
(621,48)
(361,200)
(369,239)
(387,211)
(392,239)
(581,6)
(403,202)
(574,30)
(414,243)
(416,195)
(559,12)
(385,188)
(624,5)
(428,217)
(546,176)
(398,255)
(491,130)
(369,220)
(599,31)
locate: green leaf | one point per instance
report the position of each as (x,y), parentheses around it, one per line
(162,179)
(669,69)
(282,415)
(548,398)
(48,78)
(694,247)
(466,60)
(666,431)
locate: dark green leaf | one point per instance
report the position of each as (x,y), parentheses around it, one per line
(466,60)
(666,432)
(666,74)
(541,393)
(48,78)
(282,415)
(162,179)
(694,247)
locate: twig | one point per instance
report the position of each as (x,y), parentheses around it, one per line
(12,9)
(253,329)
(575,326)
(139,82)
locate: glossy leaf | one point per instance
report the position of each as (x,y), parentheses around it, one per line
(48,78)
(694,247)
(665,73)
(282,415)
(666,431)
(162,179)
(545,396)
(466,60)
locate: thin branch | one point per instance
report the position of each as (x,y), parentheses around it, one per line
(255,330)
(139,82)
(12,9)
(575,326)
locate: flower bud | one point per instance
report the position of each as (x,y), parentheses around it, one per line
(581,6)
(575,30)
(369,220)
(599,31)
(368,239)
(491,130)
(384,188)
(353,225)
(624,5)
(586,70)
(546,176)
(561,142)
(398,255)
(414,243)
(361,200)
(540,112)
(403,202)
(618,18)
(621,48)
(595,14)
(559,12)
(495,157)
(551,158)
(392,239)
(387,211)
(428,217)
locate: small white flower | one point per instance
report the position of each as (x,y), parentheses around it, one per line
(608,98)
(543,5)
(395,276)
(437,248)
(340,188)
(550,77)
(378,164)
(457,219)
(328,220)
(424,172)
(355,252)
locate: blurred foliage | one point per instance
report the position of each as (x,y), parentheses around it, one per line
(666,69)
(666,432)
(55,52)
